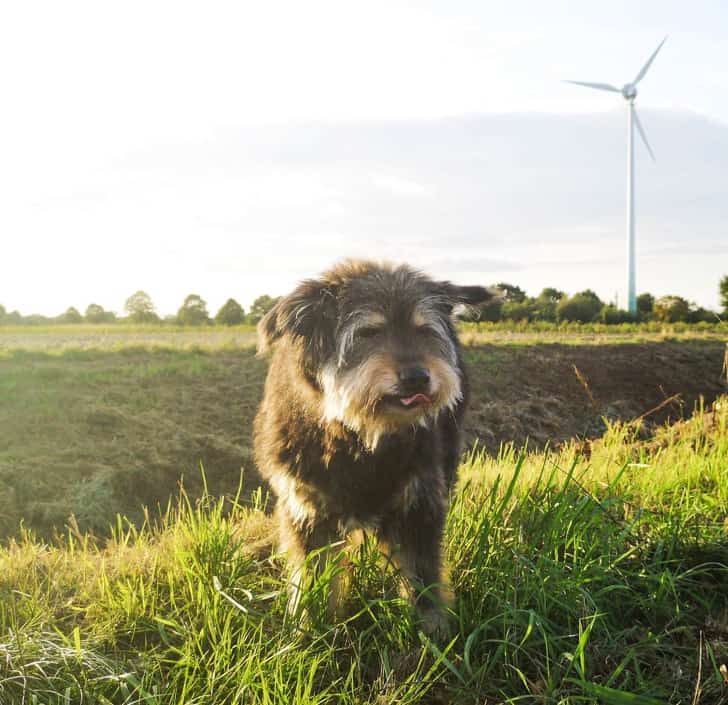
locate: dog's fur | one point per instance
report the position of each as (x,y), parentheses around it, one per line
(336,439)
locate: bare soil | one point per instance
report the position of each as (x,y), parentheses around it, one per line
(95,432)
(546,394)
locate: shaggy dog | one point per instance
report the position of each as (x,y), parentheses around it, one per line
(359,426)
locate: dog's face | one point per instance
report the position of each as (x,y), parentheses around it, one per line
(378,341)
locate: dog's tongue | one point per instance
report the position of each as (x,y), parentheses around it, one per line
(421,398)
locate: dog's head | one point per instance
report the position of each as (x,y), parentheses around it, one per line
(378,341)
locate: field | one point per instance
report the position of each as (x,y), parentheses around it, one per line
(588,556)
(95,421)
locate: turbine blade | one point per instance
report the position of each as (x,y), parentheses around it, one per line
(643,135)
(644,69)
(598,86)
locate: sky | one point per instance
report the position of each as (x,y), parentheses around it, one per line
(232,149)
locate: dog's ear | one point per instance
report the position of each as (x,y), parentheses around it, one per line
(307,313)
(457,299)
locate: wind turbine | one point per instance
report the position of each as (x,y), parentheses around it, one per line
(629,93)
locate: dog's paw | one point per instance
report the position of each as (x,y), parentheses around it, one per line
(437,624)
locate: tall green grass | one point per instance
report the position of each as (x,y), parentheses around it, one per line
(591,574)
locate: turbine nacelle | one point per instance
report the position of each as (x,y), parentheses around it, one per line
(629,91)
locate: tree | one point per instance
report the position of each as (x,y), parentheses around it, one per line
(70,315)
(261,306)
(36,319)
(96,314)
(584,307)
(645,305)
(551,294)
(546,302)
(193,311)
(724,294)
(519,310)
(698,314)
(489,311)
(589,294)
(13,318)
(3,314)
(671,309)
(511,292)
(140,308)
(231,313)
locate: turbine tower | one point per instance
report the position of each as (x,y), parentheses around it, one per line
(629,93)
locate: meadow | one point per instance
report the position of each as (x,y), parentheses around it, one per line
(57,338)
(588,557)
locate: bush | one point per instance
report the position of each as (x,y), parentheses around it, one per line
(519,310)
(96,314)
(583,307)
(702,315)
(613,315)
(71,315)
(490,312)
(671,309)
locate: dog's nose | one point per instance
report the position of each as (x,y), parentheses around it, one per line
(414,379)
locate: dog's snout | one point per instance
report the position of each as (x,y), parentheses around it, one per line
(414,378)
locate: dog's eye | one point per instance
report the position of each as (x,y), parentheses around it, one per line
(368,332)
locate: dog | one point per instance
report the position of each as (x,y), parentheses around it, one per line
(360,422)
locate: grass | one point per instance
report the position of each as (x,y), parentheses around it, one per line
(59,338)
(93,431)
(121,328)
(90,433)
(595,574)
(520,332)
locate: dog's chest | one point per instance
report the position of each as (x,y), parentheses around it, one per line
(361,486)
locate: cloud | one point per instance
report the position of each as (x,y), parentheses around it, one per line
(399,186)
(249,209)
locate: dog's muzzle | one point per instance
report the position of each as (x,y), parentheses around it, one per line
(414,384)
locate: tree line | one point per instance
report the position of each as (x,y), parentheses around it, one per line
(585,306)
(514,305)
(139,308)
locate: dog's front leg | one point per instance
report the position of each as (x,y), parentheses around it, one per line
(414,544)
(309,548)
